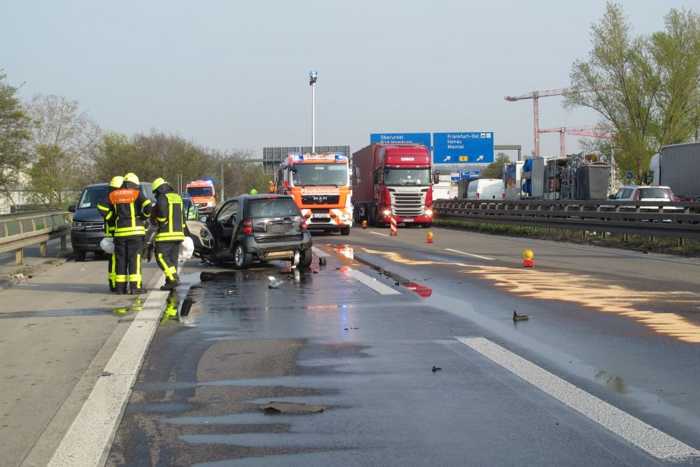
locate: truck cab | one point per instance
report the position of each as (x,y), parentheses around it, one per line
(393,181)
(320,187)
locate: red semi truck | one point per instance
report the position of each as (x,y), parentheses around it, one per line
(392,180)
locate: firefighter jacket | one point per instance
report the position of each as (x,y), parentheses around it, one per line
(169,216)
(130,209)
(105,210)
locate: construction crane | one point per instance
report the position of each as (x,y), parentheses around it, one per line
(535,96)
(587,132)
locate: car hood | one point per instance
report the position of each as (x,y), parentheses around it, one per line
(87,215)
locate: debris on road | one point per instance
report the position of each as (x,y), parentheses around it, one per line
(291,408)
(517,317)
(435,369)
(273,282)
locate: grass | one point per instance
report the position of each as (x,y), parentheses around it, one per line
(668,245)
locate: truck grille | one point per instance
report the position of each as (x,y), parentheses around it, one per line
(320,199)
(407,204)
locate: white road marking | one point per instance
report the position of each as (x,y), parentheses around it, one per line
(487,258)
(642,435)
(379,233)
(89,437)
(319,252)
(372,283)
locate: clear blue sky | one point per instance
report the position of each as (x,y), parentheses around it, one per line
(233,74)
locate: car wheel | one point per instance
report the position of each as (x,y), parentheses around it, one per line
(305,258)
(345,231)
(241,258)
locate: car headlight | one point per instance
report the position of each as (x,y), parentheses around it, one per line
(429,212)
(387,212)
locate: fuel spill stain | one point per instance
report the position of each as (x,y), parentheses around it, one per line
(594,293)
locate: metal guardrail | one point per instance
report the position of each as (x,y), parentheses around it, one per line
(18,231)
(680,220)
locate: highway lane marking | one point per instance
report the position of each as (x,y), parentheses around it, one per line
(319,252)
(379,233)
(487,258)
(371,282)
(644,436)
(87,441)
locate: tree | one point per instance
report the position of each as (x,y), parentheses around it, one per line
(53,175)
(495,168)
(14,135)
(646,88)
(59,122)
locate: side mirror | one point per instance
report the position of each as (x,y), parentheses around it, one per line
(71,208)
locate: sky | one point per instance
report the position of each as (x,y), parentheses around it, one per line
(233,74)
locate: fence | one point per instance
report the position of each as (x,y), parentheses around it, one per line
(18,231)
(680,220)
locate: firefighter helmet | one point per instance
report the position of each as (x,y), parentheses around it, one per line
(157,183)
(131,177)
(116,182)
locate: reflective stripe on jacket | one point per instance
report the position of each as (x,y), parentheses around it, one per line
(131,208)
(169,217)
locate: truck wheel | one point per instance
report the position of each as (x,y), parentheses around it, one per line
(345,231)
(241,258)
(305,258)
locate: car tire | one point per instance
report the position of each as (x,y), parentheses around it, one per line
(305,258)
(345,231)
(241,258)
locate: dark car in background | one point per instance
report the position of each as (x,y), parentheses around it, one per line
(254,228)
(87,229)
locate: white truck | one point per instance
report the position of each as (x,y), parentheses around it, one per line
(678,166)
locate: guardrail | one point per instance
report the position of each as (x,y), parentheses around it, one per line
(18,231)
(680,220)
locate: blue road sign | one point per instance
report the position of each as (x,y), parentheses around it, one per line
(415,138)
(473,147)
(470,174)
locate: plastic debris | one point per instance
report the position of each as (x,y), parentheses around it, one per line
(293,408)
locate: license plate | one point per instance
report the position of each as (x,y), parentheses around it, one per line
(322,216)
(409,219)
(277,228)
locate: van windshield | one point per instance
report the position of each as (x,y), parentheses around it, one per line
(93,195)
(406,177)
(273,207)
(320,174)
(200,191)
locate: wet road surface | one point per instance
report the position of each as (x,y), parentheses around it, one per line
(384,361)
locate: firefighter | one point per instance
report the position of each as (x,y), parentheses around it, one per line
(131,208)
(253,191)
(108,215)
(168,214)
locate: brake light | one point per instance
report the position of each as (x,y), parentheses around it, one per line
(247,227)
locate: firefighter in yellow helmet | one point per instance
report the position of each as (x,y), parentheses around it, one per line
(169,216)
(253,191)
(131,209)
(108,215)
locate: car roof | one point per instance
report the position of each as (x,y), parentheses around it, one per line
(644,186)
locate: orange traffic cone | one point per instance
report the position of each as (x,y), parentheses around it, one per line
(429,237)
(528,258)
(394,227)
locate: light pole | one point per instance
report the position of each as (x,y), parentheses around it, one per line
(313,77)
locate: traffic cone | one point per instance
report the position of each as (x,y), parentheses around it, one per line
(429,237)
(364,224)
(528,258)
(394,227)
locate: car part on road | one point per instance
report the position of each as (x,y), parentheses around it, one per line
(521,317)
(436,369)
(291,408)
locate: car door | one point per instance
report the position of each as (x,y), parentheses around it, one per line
(222,226)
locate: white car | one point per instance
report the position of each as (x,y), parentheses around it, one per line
(647,194)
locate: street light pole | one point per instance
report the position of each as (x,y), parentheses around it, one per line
(313,77)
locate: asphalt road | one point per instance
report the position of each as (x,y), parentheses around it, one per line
(622,359)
